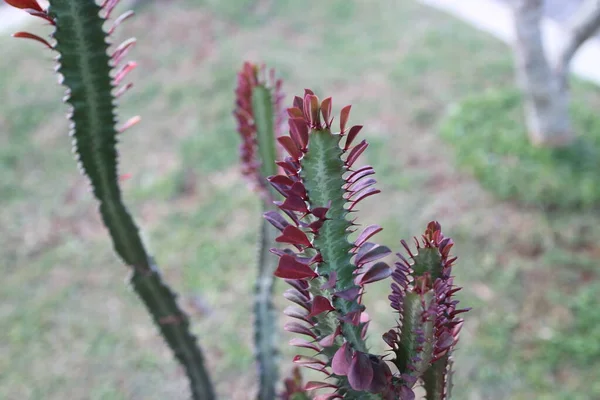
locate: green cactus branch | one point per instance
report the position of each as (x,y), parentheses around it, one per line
(85,68)
(258,113)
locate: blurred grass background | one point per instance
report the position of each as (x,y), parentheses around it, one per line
(71,329)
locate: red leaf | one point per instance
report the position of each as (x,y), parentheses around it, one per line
(349,294)
(276,220)
(328,340)
(27,35)
(320,212)
(295,327)
(298,342)
(25,4)
(362,196)
(293,235)
(376,273)
(295,312)
(360,373)
(298,189)
(344,114)
(308,360)
(289,268)
(281,183)
(320,304)
(295,112)
(361,185)
(360,173)
(366,234)
(340,364)
(352,135)
(371,252)
(326,110)
(294,203)
(290,146)
(299,131)
(356,152)
(331,281)
(297,297)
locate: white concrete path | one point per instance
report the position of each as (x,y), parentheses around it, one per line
(496,18)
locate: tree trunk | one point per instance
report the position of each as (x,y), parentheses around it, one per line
(545,94)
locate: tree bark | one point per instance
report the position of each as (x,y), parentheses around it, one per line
(545,84)
(546,99)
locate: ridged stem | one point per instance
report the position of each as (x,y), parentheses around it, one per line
(266,329)
(85,66)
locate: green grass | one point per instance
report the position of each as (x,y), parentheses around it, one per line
(490,139)
(71,328)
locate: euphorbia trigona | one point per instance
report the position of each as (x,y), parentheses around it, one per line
(328,273)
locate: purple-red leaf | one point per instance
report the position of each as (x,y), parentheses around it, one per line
(356,152)
(290,146)
(352,135)
(376,273)
(320,212)
(349,294)
(298,342)
(331,281)
(366,234)
(290,268)
(295,327)
(27,35)
(276,220)
(299,131)
(295,312)
(320,304)
(25,4)
(293,235)
(294,203)
(326,110)
(340,364)
(362,196)
(344,114)
(372,253)
(360,373)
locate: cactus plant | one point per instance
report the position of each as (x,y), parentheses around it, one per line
(85,68)
(328,273)
(306,204)
(259,116)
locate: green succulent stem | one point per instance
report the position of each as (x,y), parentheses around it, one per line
(323,170)
(264,116)
(413,357)
(266,330)
(434,380)
(84,64)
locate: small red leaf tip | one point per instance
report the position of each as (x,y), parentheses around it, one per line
(25,4)
(27,35)
(130,122)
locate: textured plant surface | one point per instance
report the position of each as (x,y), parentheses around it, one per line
(259,115)
(328,273)
(85,68)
